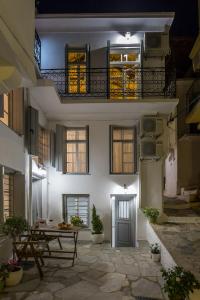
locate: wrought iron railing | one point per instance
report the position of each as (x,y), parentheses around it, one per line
(37,49)
(113,83)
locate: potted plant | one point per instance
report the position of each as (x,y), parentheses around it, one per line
(151,213)
(97,227)
(155,252)
(15,273)
(14,226)
(76,221)
(179,283)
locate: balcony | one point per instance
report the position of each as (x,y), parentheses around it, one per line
(37,49)
(113,84)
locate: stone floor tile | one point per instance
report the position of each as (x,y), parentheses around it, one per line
(112,282)
(146,288)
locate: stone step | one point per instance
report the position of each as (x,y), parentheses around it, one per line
(188,220)
(182,205)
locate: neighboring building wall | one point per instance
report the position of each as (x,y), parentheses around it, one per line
(99,184)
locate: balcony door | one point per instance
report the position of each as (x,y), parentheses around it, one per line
(124,75)
(77,75)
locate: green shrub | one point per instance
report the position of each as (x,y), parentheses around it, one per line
(76,221)
(97,224)
(151,213)
(155,248)
(178,283)
(14,226)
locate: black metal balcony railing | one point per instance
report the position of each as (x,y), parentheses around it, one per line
(37,49)
(113,83)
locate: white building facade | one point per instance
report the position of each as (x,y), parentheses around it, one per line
(101,78)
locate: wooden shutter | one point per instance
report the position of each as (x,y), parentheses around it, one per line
(52,147)
(32,131)
(1,106)
(19,195)
(18,110)
(60,131)
(1,193)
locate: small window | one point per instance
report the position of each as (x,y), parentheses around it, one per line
(77,60)
(6,110)
(76,150)
(8,202)
(44,146)
(76,205)
(123,150)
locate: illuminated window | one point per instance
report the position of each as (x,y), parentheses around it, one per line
(123,150)
(124,73)
(6,109)
(76,205)
(8,196)
(76,70)
(44,146)
(76,158)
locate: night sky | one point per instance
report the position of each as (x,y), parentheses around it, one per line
(185,23)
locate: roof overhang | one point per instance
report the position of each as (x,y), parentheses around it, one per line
(136,22)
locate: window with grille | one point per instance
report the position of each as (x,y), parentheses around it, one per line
(76,205)
(44,146)
(123,150)
(8,202)
(76,150)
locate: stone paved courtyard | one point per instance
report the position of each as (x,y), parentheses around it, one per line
(100,272)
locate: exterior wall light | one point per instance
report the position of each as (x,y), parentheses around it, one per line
(125,187)
(127,36)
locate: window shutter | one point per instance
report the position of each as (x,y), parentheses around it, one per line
(18,111)
(1,106)
(1,193)
(32,130)
(60,131)
(19,195)
(52,148)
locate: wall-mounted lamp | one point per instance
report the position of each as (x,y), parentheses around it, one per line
(127,35)
(125,187)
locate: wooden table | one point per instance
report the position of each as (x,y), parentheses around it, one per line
(48,233)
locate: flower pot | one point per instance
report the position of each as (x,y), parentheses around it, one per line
(15,277)
(98,238)
(155,257)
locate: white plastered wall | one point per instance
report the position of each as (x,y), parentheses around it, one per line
(99,184)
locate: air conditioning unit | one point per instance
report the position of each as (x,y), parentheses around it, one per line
(151,126)
(156,43)
(151,149)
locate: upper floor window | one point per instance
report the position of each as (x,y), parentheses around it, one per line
(77,150)
(77,62)
(43,146)
(6,109)
(12,110)
(124,62)
(123,150)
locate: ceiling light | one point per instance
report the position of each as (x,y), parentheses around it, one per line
(127,36)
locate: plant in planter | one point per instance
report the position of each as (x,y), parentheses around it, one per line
(155,252)
(14,226)
(76,221)
(179,283)
(97,227)
(152,214)
(13,273)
